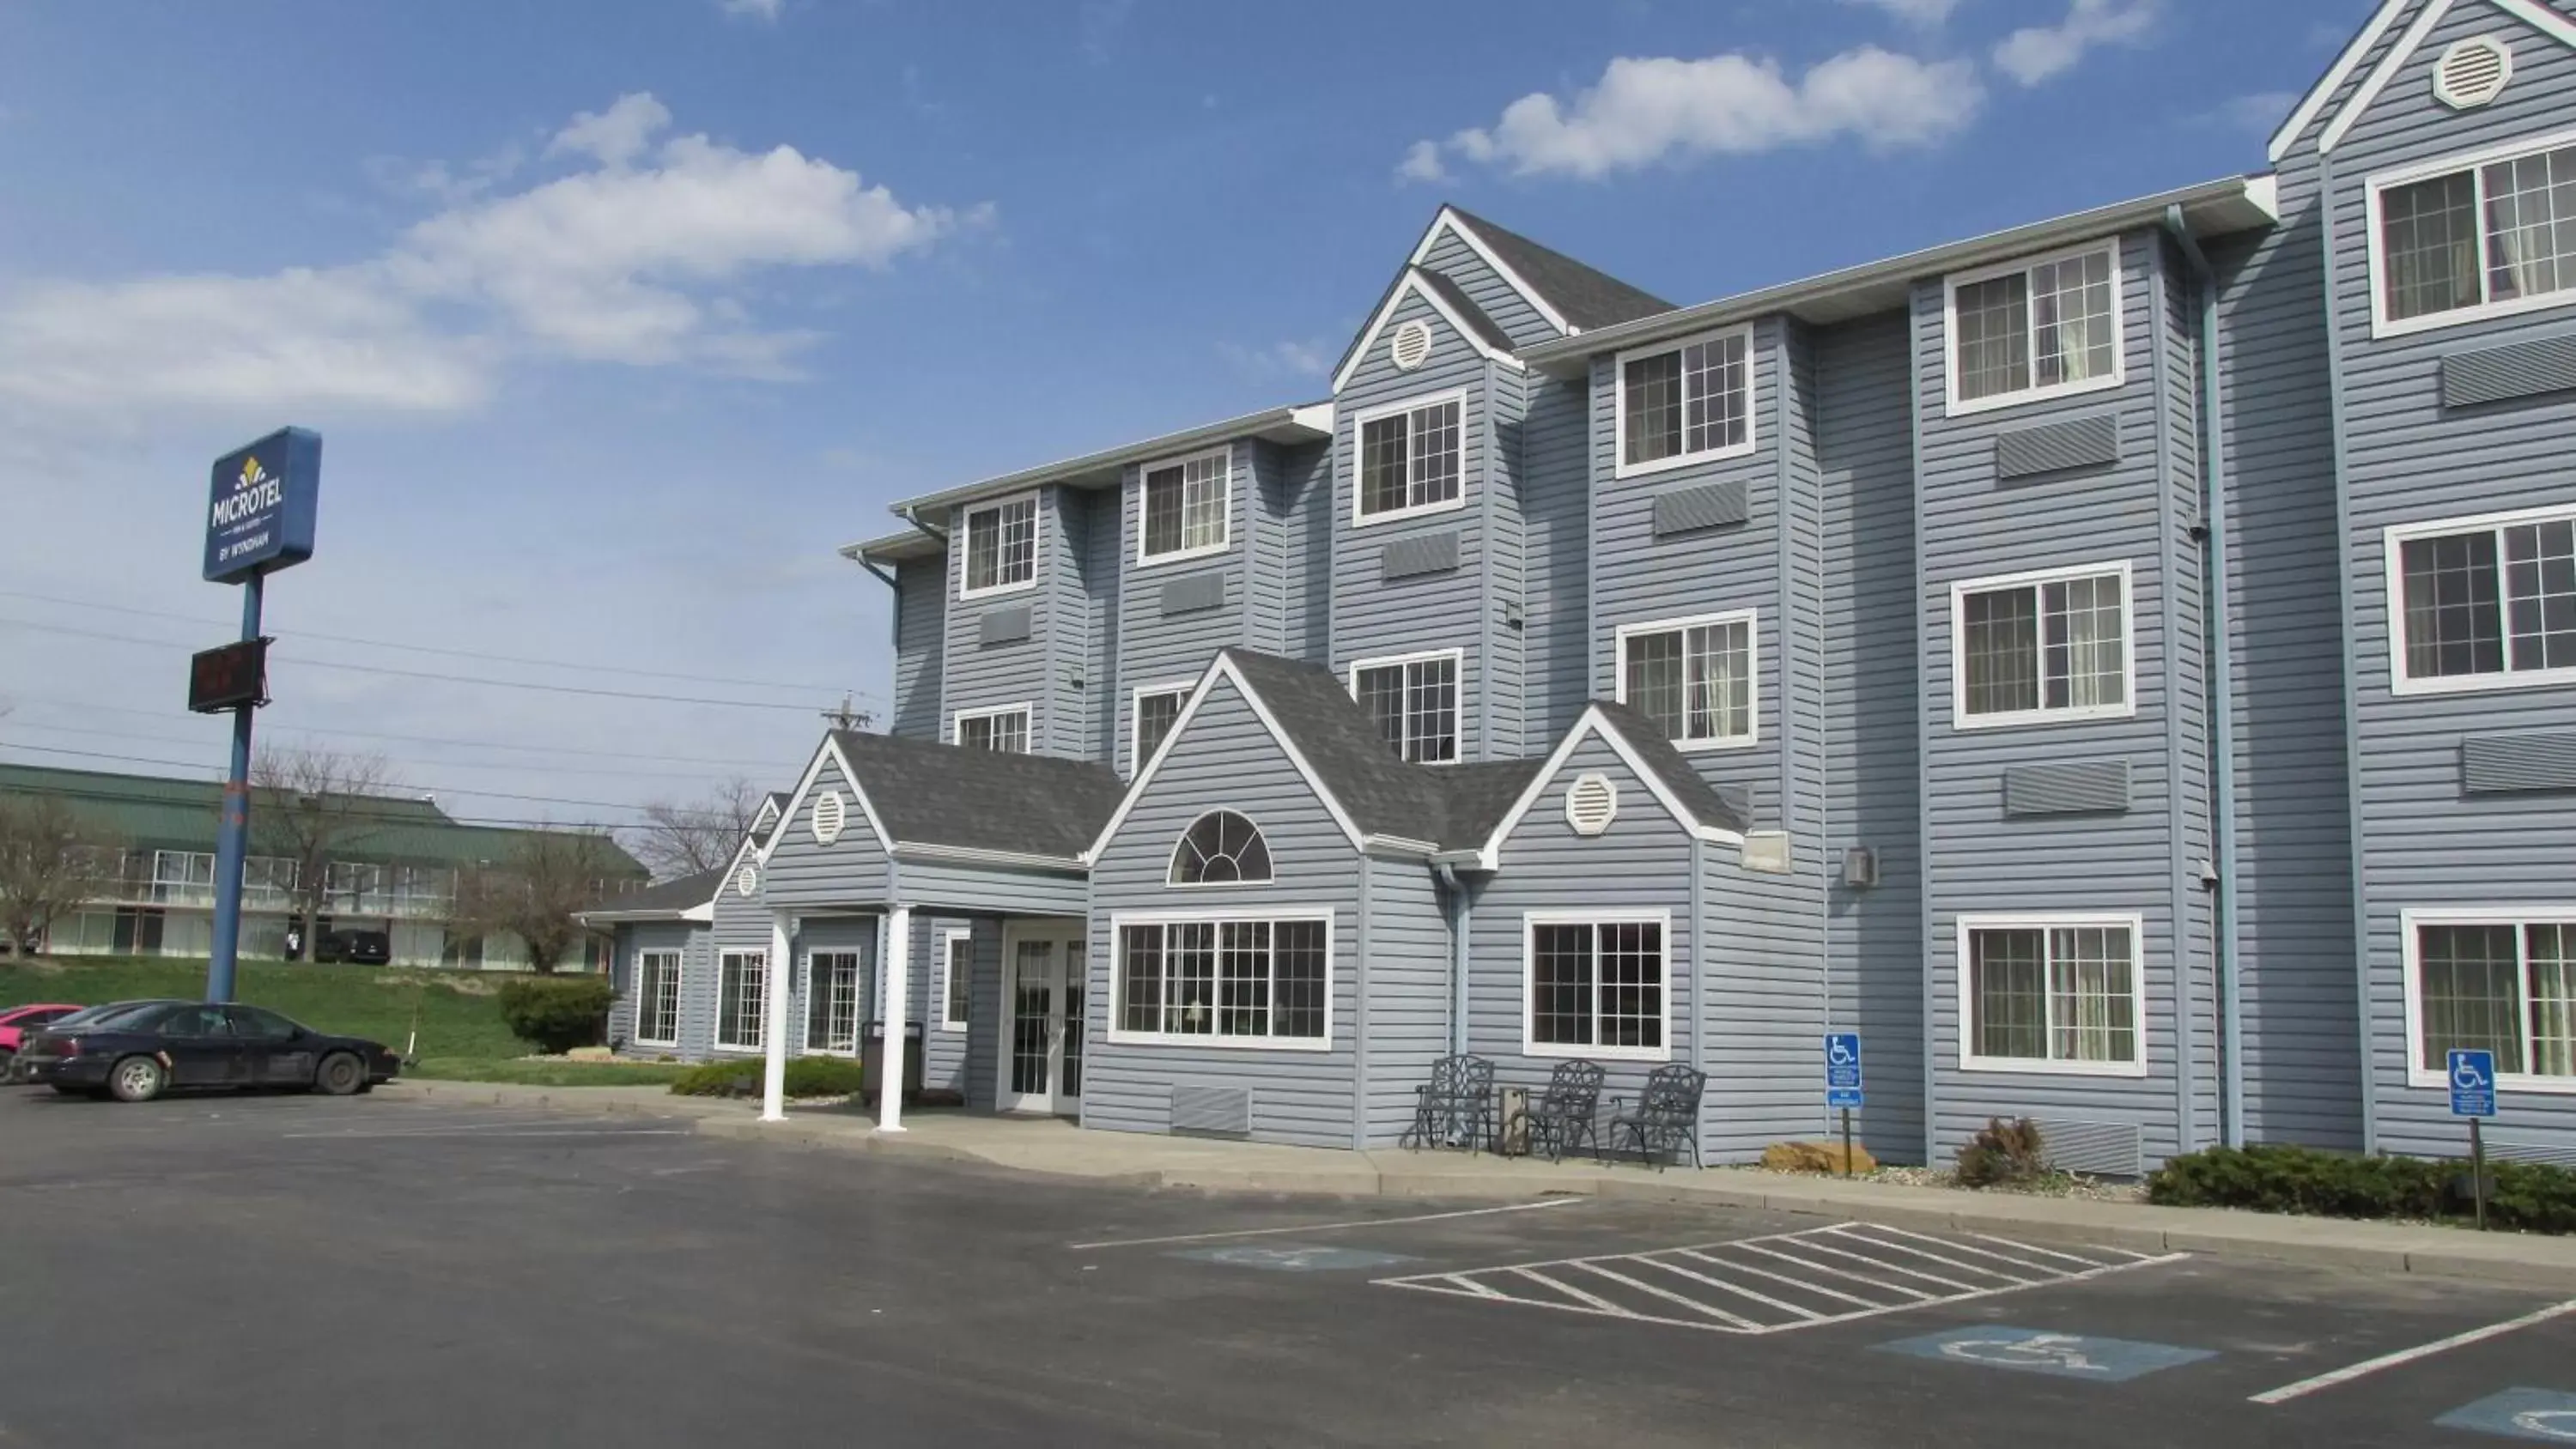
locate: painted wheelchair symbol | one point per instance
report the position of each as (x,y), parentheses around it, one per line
(2058,1351)
(1839,1052)
(2466,1076)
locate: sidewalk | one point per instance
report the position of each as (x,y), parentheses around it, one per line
(1141,1160)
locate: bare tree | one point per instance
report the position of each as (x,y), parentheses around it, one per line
(310,806)
(51,862)
(534,893)
(684,838)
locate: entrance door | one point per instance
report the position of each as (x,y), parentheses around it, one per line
(1042,1052)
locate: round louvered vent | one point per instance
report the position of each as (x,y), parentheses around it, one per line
(829,816)
(2472,72)
(1410,346)
(1591,804)
(746,882)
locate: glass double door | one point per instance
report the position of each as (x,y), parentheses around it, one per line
(1042,1047)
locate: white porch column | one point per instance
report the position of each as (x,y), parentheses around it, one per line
(898,976)
(773,1036)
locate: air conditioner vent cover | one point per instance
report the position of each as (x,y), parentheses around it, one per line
(1591,803)
(1410,347)
(2472,72)
(830,814)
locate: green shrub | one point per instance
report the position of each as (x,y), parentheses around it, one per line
(557,1013)
(2525,1196)
(2002,1154)
(806,1077)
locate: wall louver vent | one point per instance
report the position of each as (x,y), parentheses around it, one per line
(2472,73)
(1591,804)
(829,816)
(1410,347)
(746,882)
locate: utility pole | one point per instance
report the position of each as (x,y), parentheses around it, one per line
(847,718)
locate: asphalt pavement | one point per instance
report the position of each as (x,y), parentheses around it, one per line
(270,1270)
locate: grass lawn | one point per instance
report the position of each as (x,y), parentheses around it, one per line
(457,1013)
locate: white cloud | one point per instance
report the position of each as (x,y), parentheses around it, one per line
(765,10)
(2041,52)
(628,261)
(1914,12)
(1645,111)
(1422,163)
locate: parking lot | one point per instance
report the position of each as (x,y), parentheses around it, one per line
(267,1270)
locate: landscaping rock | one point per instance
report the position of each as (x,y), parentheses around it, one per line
(1818,1157)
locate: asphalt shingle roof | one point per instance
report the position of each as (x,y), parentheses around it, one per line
(935,794)
(1468,312)
(672,896)
(1655,750)
(1583,296)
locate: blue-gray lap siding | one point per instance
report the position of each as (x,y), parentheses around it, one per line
(1031,671)
(1226,760)
(1156,648)
(920,637)
(741,924)
(1873,686)
(1302,504)
(2424,842)
(1372,616)
(1971,525)
(632,941)
(1555,491)
(1451,257)
(1503,732)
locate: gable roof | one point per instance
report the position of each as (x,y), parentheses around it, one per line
(1289,425)
(1579,297)
(920,793)
(1479,796)
(688,897)
(1342,748)
(1666,774)
(2541,15)
(1446,298)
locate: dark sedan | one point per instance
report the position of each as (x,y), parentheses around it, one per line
(136,1055)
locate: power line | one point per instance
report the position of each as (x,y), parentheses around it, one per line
(340,733)
(446,789)
(109,797)
(93,732)
(431,648)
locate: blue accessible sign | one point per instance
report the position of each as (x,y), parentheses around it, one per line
(1842,1069)
(2472,1084)
(259,515)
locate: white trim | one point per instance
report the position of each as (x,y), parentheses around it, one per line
(1173,860)
(1449,220)
(2474,163)
(1594,723)
(1318,1045)
(829,750)
(2411,917)
(1620,467)
(1957,407)
(1413,286)
(978,855)
(679,986)
(2127,708)
(2380,75)
(1136,760)
(1223,668)
(1750,619)
(805,1025)
(1457,681)
(1531,1046)
(1183,461)
(1072,962)
(2044,921)
(1028,730)
(715,1028)
(2323,91)
(965,551)
(948,938)
(1359,444)
(2393,580)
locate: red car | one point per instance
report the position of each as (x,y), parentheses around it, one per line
(17,1021)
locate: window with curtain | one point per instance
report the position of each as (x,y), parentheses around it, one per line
(1693,678)
(1410,459)
(1186,506)
(2472,238)
(2051,647)
(2486,601)
(2052,994)
(2038,328)
(1001,546)
(1414,703)
(1692,399)
(1257,980)
(2504,986)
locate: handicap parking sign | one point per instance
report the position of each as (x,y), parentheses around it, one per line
(1842,1069)
(2039,1351)
(2539,1415)
(2472,1084)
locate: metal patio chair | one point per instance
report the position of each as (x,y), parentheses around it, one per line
(1564,1115)
(1457,1103)
(1666,1116)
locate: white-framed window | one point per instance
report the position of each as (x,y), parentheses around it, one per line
(956,979)
(1005,729)
(2052,993)
(1596,985)
(1254,980)
(1693,677)
(657,998)
(1683,402)
(1186,507)
(1413,700)
(2483,603)
(2038,328)
(1001,553)
(2042,648)
(2502,979)
(1221,848)
(1412,459)
(742,1000)
(1155,709)
(2487,234)
(832,1002)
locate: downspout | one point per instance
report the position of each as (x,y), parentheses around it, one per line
(1461,917)
(2169,572)
(2218,609)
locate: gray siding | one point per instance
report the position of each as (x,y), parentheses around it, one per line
(981,676)
(2408,460)
(1267,601)
(1226,758)
(1154,648)
(1404,999)
(803,875)
(1084,678)
(633,940)
(742,923)
(1502,638)
(1555,491)
(1302,511)
(1451,257)
(920,638)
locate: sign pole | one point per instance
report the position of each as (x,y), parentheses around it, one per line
(232,839)
(1847,1150)
(2478,1168)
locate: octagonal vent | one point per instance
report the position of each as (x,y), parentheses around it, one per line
(746,882)
(1591,804)
(1410,347)
(830,814)
(2472,72)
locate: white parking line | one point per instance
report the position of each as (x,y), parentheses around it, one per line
(1517,1207)
(2304,1387)
(513,1135)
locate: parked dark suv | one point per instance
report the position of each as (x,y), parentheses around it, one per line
(358,948)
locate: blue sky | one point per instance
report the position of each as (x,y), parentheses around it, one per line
(618,315)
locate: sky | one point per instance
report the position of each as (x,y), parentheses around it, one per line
(618,317)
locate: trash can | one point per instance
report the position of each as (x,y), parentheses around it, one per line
(872,1063)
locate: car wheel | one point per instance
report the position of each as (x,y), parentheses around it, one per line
(340,1074)
(136,1079)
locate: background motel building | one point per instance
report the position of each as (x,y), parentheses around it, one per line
(2124,666)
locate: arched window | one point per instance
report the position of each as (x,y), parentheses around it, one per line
(1221,848)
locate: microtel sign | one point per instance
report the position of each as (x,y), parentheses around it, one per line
(259,515)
